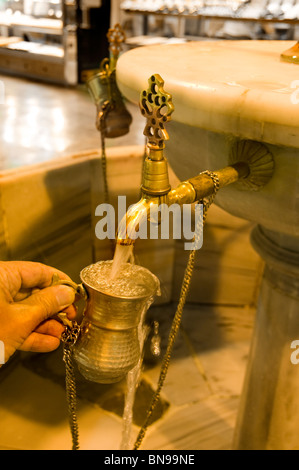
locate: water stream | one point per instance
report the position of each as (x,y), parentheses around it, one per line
(124,254)
(133,378)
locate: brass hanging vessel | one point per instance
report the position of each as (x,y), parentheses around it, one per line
(112,118)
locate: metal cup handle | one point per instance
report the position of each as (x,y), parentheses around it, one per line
(79,289)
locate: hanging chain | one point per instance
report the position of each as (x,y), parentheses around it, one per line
(69,338)
(178,315)
(72,330)
(106,107)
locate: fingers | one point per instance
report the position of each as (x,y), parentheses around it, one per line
(37,342)
(48,302)
(27,300)
(16,276)
(51,327)
(71,312)
(45,338)
(22,294)
(36,274)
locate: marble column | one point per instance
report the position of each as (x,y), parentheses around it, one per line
(269,409)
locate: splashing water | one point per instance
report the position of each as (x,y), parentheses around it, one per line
(135,216)
(123,254)
(133,378)
(131,280)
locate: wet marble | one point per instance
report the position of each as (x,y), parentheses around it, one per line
(39,122)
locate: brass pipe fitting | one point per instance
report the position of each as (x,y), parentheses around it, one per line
(201,186)
(155,181)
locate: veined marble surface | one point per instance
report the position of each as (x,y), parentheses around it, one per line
(237,87)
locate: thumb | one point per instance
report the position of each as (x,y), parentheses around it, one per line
(49,301)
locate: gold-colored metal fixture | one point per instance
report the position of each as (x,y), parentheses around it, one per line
(291,55)
(112,119)
(156,106)
(116,37)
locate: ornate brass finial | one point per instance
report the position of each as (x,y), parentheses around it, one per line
(116,37)
(156,106)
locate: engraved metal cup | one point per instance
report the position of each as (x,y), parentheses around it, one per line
(111,110)
(108,346)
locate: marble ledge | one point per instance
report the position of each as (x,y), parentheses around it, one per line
(238,87)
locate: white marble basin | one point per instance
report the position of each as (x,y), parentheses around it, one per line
(224,91)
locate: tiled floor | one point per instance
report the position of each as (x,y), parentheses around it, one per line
(204,381)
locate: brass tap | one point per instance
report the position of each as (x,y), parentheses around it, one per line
(156,106)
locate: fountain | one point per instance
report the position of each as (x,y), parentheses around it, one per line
(239,98)
(106,345)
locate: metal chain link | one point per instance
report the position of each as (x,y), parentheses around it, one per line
(178,316)
(69,339)
(106,107)
(71,334)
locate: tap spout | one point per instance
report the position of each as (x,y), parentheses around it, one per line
(130,226)
(187,192)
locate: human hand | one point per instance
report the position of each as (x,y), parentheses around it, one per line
(27,303)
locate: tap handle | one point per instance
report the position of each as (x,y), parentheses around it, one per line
(116,36)
(156,106)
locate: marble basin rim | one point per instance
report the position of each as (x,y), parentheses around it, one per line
(224,92)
